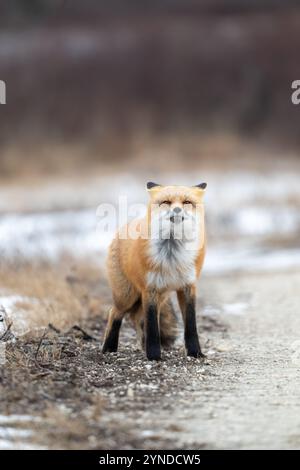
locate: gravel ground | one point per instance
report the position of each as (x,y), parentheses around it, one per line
(245,394)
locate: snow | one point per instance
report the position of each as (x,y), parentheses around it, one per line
(15,433)
(15,314)
(243,210)
(228,259)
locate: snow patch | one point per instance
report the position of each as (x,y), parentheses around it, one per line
(16,314)
(15,432)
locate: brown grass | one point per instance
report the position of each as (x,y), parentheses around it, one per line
(63,294)
(141,153)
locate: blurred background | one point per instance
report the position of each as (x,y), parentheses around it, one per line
(103,96)
(95,82)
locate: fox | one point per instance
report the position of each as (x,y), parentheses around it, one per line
(148,260)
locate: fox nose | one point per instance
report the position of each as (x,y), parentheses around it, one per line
(177,210)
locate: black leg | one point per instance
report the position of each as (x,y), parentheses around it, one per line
(187,302)
(190,331)
(112,337)
(152,338)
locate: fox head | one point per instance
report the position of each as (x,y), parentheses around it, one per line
(176,211)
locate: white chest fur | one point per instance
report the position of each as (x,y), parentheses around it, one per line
(173,263)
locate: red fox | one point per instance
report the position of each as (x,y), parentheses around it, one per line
(150,258)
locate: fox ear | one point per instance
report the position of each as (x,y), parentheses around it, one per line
(201,186)
(151,185)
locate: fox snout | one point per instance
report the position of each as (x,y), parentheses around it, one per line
(177,215)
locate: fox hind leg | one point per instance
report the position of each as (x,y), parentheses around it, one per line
(167,324)
(111,339)
(137,318)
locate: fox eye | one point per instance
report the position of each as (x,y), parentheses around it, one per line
(187,202)
(164,202)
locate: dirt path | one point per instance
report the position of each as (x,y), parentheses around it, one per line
(246,394)
(255,395)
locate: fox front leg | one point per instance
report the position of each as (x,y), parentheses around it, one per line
(187,303)
(151,326)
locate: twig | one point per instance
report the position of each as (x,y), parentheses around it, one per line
(52,327)
(40,344)
(8,334)
(42,374)
(85,335)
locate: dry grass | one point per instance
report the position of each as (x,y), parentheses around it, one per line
(59,295)
(141,152)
